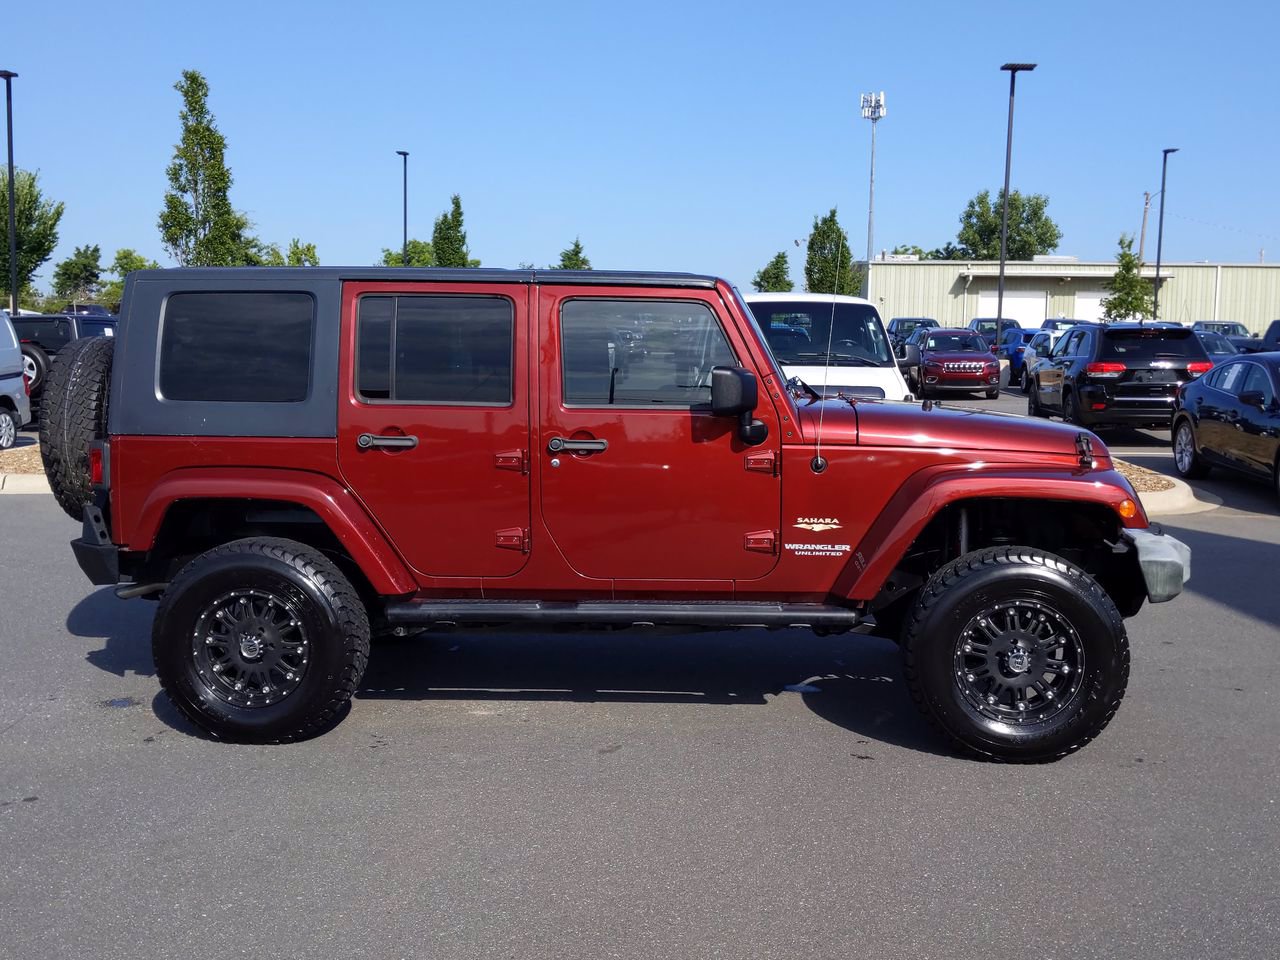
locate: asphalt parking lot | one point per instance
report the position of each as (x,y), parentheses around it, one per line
(640,794)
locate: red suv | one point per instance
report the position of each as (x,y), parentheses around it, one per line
(955,361)
(293,460)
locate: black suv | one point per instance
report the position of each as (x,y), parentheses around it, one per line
(902,327)
(992,329)
(1122,374)
(44,335)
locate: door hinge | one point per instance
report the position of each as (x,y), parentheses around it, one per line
(517,460)
(761,541)
(513,538)
(765,462)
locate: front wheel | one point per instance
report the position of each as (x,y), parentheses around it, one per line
(8,429)
(260,640)
(1025,384)
(1033,401)
(993,394)
(1015,654)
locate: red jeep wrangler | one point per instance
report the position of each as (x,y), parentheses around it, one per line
(293,459)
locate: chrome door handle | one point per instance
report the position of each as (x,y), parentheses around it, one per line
(367,441)
(561,445)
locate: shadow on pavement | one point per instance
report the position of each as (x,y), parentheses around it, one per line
(854,682)
(123,626)
(1231,571)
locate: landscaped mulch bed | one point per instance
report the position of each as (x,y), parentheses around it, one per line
(1143,480)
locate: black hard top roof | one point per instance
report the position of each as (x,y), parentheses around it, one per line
(436,274)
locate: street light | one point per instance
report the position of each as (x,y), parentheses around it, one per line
(1013,69)
(404,250)
(873,110)
(8,76)
(1164,172)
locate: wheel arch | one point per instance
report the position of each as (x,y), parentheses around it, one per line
(191,511)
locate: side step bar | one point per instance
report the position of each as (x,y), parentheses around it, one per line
(704,613)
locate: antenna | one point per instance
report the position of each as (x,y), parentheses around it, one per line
(819,463)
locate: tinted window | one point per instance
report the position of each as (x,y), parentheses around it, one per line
(682,339)
(253,347)
(1231,378)
(1217,344)
(1257,381)
(445,349)
(97,328)
(853,331)
(1151,344)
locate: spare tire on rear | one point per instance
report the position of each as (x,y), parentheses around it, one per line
(73,414)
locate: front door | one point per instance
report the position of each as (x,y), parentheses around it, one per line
(433,424)
(639,480)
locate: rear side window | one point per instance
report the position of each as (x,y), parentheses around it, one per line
(435,349)
(1151,345)
(7,338)
(237,347)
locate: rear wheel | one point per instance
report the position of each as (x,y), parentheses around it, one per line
(1016,654)
(1033,401)
(261,640)
(1185,455)
(1069,412)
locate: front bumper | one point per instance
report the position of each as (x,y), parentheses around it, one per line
(1165,562)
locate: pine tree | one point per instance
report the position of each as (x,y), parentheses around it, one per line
(775,277)
(572,258)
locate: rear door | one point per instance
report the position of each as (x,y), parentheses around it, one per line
(1052,373)
(1257,425)
(433,423)
(640,482)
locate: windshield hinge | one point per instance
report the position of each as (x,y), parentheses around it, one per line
(764,462)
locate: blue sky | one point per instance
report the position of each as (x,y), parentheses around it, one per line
(683,136)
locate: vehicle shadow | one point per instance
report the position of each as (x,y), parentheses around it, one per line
(854,682)
(1225,569)
(123,626)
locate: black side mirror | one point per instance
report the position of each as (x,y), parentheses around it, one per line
(734,393)
(1254,398)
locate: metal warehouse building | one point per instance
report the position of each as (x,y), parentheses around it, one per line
(955,291)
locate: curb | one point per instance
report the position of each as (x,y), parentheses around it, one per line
(1181,499)
(24,483)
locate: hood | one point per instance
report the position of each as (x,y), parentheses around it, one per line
(957,356)
(878,423)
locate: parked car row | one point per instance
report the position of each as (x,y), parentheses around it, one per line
(15,388)
(1240,337)
(42,336)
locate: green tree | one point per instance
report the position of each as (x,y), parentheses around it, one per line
(125,263)
(572,258)
(775,276)
(36,219)
(828,265)
(1031,231)
(420,255)
(906,250)
(449,239)
(198,225)
(78,276)
(299,255)
(1131,295)
(948,251)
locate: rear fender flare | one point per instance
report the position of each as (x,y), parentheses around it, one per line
(926,492)
(333,503)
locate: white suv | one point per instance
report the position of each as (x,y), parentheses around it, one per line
(834,344)
(15,406)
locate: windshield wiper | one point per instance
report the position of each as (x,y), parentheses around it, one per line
(819,355)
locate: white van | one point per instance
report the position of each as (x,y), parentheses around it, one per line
(15,406)
(803,328)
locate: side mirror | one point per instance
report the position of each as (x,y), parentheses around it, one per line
(1254,398)
(910,356)
(734,393)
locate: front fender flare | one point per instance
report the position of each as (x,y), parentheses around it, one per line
(929,490)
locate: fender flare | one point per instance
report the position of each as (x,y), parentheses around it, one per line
(928,491)
(341,512)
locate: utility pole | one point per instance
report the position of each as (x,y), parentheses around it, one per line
(404,250)
(1142,237)
(1164,171)
(873,110)
(8,76)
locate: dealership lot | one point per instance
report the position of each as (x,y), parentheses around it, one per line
(638,793)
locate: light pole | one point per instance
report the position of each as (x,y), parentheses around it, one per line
(1164,172)
(1013,69)
(8,76)
(404,249)
(873,110)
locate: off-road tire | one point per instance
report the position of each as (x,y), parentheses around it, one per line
(330,615)
(972,584)
(73,414)
(34,354)
(1193,467)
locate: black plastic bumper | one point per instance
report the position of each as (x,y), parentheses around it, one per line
(98,557)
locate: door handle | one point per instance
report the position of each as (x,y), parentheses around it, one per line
(561,445)
(367,441)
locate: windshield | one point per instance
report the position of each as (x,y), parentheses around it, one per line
(1217,344)
(751,318)
(799,332)
(959,342)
